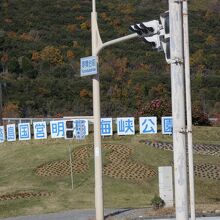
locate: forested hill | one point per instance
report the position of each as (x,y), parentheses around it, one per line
(42,41)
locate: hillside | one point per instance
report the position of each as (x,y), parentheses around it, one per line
(41,43)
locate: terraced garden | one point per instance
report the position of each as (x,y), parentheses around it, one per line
(119,164)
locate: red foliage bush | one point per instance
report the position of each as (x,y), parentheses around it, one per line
(156,107)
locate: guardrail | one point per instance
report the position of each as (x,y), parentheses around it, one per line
(47,120)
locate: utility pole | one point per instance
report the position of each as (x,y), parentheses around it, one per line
(178,109)
(188,108)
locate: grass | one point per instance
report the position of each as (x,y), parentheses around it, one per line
(18,161)
(201,4)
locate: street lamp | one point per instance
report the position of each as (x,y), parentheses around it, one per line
(97,46)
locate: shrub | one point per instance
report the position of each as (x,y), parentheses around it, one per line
(157,202)
(157,107)
(199,117)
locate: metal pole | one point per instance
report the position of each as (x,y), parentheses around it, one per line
(93,6)
(1,107)
(178,109)
(188,108)
(97,131)
(71,167)
(115,41)
(97,46)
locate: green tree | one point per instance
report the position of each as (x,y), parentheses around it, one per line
(13,66)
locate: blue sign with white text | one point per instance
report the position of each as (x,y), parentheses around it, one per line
(88,66)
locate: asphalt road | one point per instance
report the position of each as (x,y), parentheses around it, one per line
(69,215)
(113,214)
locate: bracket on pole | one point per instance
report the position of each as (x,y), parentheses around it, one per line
(188,131)
(183,131)
(176,61)
(178,1)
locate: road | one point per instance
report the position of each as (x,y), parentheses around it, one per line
(111,214)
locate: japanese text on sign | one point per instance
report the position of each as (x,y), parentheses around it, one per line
(88,66)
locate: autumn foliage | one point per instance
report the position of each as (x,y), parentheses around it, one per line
(52,55)
(41,43)
(10,110)
(157,107)
(199,117)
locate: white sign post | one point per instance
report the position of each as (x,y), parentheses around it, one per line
(166,185)
(88,66)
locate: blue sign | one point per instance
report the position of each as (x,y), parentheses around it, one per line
(80,129)
(167,125)
(2,134)
(125,126)
(11,133)
(148,125)
(40,130)
(88,66)
(57,129)
(24,132)
(106,126)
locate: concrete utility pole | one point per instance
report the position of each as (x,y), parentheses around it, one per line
(178,109)
(97,46)
(188,108)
